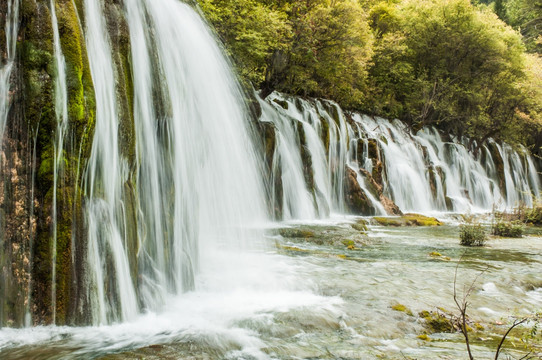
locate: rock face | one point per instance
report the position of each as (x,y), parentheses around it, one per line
(378,191)
(356,199)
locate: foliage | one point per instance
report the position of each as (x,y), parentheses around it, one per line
(446,63)
(527,16)
(534,215)
(507,229)
(316,48)
(452,65)
(251,30)
(472,235)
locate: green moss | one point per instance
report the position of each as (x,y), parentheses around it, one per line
(360,225)
(424,337)
(439,256)
(38,71)
(295,233)
(436,322)
(291,248)
(420,220)
(407,220)
(348,243)
(402,308)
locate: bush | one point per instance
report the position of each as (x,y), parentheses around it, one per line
(534,215)
(507,229)
(472,235)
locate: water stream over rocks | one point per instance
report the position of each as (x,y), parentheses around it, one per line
(316,298)
(141,216)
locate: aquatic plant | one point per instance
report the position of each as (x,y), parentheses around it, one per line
(472,235)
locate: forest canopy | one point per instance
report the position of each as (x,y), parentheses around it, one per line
(469,68)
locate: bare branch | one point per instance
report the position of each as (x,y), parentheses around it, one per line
(517,322)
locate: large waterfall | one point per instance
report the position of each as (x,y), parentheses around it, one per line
(143,159)
(196,177)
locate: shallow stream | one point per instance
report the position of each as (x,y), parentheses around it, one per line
(326,294)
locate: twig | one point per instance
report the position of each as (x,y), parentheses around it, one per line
(464,304)
(516,323)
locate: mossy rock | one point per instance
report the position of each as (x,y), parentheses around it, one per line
(282,103)
(424,337)
(407,220)
(296,233)
(437,322)
(360,225)
(439,256)
(402,308)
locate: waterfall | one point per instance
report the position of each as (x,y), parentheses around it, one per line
(111,289)
(197,181)
(6,70)
(311,169)
(419,172)
(207,177)
(160,202)
(61,108)
(11,30)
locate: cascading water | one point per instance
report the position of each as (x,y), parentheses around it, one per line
(419,172)
(191,196)
(301,126)
(6,69)
(207,175)
(111,289)
(197,180)
(61,108)
(11,29)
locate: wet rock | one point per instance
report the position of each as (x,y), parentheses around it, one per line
(357,201)
(296,233)
(377,191)
(407,220)
(438,321)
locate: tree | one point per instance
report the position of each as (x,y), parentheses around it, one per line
(453,65)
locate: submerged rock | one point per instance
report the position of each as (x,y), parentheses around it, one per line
(407,220)
(296,233)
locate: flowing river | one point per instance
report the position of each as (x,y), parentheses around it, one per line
(315,298)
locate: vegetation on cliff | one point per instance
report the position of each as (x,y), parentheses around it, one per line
(453,64)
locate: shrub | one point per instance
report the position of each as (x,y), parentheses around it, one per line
(472,235)
(507,229)
(534,215)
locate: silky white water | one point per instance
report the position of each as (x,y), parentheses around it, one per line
(196,183)
(111,289)
(11,30)
(61,109)
(176,262)
(320,301)
(421,172)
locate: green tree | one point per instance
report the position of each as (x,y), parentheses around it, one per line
(453,65)
(328,52)
(251,31)
(527,16)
